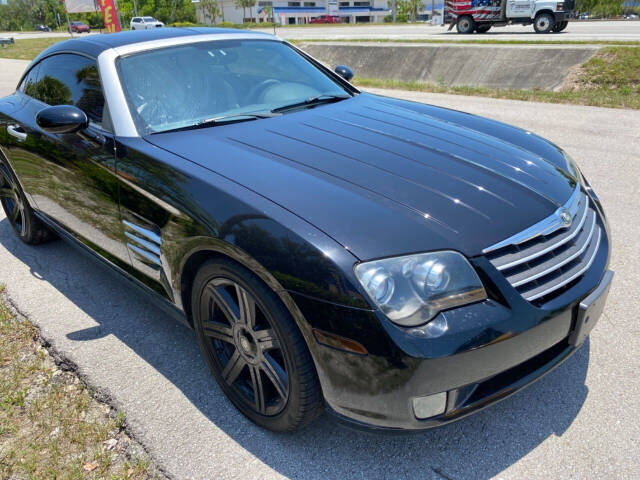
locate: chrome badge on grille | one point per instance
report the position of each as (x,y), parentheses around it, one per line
(565,216)
(561,218)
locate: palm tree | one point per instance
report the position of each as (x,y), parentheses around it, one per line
(211,9)
(238,4)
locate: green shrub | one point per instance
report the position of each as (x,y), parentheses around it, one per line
(188,24)
(232,25)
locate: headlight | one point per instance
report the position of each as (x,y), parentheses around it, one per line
(412,289)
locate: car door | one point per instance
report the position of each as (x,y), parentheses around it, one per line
(519,8)
(70,177)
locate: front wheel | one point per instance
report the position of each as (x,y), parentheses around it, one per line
(544,23)
(465,25)
(254,347)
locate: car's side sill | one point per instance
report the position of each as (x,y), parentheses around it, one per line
(157,299)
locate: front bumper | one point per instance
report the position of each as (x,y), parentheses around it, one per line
(488,351)
(563,16)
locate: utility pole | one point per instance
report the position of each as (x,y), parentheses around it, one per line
(135,8)
(393,10)
(68,22)
(432,10)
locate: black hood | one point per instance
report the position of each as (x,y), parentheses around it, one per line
(387,177)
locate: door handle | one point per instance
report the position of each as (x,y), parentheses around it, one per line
(96,139)
(17,131)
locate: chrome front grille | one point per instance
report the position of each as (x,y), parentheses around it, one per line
(552,254)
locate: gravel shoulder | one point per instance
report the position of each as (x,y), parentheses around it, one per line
(578,422)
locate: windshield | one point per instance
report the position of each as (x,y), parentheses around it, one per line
(149,19)
(185,85)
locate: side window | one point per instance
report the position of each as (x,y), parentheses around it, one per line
(68,79)
(29,81)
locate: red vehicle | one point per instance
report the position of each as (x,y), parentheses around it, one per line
(326,19)
(78,27)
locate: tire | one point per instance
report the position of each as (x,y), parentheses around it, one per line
(25,224)
(465,25)
(560,26)
(544,23)
(259,359)
(483,28)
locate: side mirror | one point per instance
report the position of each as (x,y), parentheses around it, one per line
(344,71)
(62,119)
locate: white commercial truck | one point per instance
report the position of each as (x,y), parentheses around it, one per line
(470,16)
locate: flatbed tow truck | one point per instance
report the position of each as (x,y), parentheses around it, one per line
(479,16)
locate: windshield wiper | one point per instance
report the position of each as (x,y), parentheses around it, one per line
(212,122)
(322,98)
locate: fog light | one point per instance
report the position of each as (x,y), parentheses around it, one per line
(429,406)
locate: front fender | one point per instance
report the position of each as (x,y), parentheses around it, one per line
(197,212)
(539,7)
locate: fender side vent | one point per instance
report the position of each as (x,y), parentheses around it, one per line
(143,244)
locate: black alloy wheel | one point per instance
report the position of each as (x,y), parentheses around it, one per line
(254,348)
(22,219)
(12,201)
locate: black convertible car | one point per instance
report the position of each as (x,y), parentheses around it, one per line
(398,264)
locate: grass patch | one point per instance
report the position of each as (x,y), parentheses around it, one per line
(611,78)
(593,97)
(29,48)
(614,68)
(50,425)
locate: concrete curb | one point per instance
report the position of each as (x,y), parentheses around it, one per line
(495,66)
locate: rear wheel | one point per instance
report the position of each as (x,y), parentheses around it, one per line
(544,23)
(465,25)
(560,26)
(483,28)
(254,347)
(20,215)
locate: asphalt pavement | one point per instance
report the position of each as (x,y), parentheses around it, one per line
(581,421)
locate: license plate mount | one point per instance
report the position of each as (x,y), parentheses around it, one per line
(590,309)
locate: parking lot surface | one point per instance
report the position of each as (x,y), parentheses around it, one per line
(581,421)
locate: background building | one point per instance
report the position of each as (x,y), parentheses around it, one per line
(299,11)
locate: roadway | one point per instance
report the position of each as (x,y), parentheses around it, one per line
(581,421)
(576,31)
